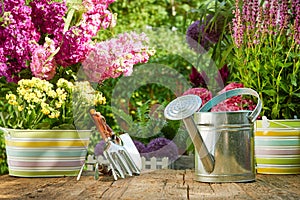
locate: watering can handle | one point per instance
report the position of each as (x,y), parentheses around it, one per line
(231,93)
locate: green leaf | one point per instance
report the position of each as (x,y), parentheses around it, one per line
(294,79)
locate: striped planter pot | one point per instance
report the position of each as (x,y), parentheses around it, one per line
(46,153)
(277,146)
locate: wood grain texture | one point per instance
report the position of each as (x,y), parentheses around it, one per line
(150,185)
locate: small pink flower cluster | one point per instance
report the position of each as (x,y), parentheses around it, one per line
(203,93)
(114,57)
(235,103)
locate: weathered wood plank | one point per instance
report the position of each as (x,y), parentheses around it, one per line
(153,185)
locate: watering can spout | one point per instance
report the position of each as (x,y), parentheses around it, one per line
(206,158)
(183,108)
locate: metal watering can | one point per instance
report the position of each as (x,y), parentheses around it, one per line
(224,141)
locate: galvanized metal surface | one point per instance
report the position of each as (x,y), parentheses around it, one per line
(229,138)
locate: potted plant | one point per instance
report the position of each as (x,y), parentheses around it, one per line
(265,54)
(265,57)
(44,44)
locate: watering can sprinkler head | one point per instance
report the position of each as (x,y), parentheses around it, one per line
(183,108)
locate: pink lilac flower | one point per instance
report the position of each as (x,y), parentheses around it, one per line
(238,27)
(274,7)
(112,58)
(235,103)
(203,93)
(39,67)
(284,15)
(96,17)
(296,13)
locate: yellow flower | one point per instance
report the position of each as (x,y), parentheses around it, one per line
(60,91)
(12,99)
(58,104)
(54,114)
(99,99)
(27,97)
(51,93)
(63,83)
(20,108)
(62,97)
(12,102)
(38,94)
(45,108)
(22,91)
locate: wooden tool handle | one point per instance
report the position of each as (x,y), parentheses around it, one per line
(101,125)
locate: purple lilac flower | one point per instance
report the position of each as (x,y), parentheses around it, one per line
(10,4)
(296,12)
(47,17)
(200,79)
(74,48)
(224,73)
(77,41)
(162,147)
(18,37)
(274,7)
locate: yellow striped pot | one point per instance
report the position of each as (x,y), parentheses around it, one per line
(46,153)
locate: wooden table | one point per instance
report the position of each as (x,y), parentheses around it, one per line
(159,184)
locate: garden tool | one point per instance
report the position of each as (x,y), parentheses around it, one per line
(121,162)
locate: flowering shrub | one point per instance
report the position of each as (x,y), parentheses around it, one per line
(37,36)
(43,44)
(265,57)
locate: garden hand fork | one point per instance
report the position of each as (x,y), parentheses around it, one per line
(120,161)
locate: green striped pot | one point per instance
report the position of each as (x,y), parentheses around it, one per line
(46,153)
